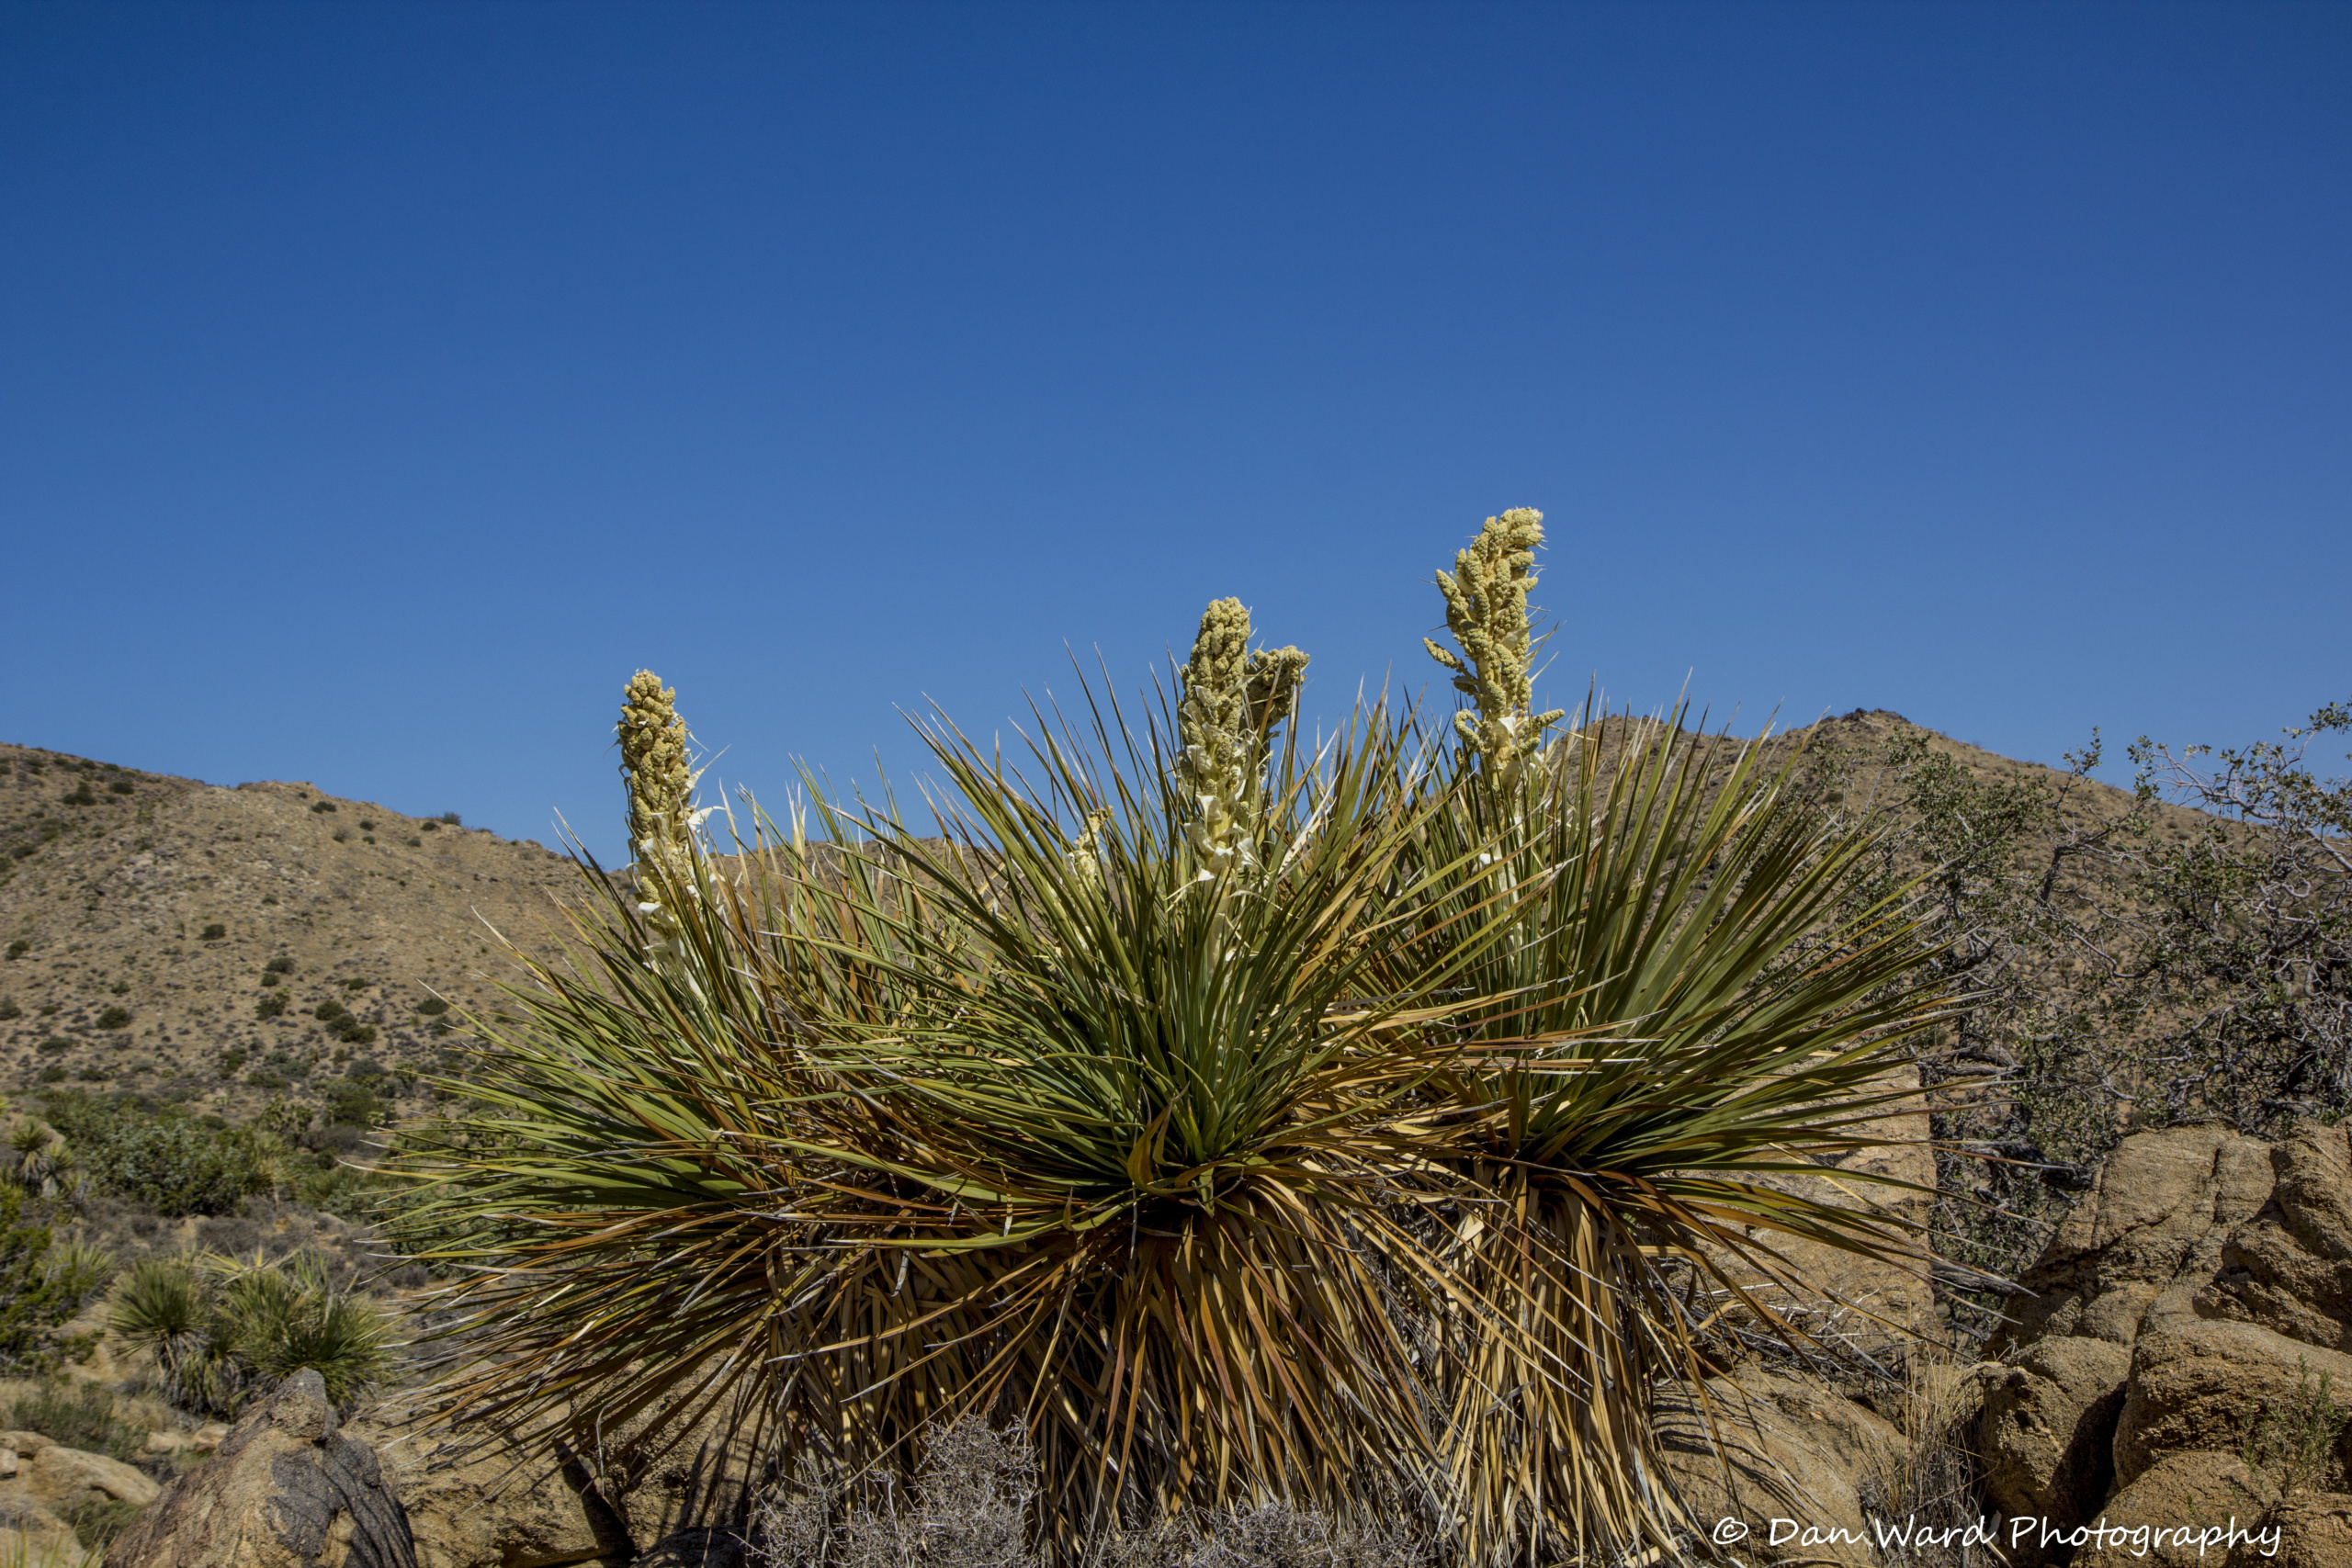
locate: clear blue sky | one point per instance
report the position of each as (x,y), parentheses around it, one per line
(381,385)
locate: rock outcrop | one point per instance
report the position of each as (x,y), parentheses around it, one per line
(2187,1352)
(1789,1450)
(284,1490)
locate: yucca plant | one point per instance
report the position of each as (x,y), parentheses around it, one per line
(1679,1018)
(1101,1106)
(221,1328)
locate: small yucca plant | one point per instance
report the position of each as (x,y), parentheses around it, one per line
(221,1328)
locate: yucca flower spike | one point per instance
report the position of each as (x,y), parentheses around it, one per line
(1486,609)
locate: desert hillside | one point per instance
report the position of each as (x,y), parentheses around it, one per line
(182,939)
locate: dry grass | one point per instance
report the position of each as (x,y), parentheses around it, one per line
(1932,1477)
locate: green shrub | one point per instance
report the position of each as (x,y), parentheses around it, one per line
(115,1018)
(270,1006)
(349,1028)
(19,947)
(428,826)
(281,964)
(268,1079)
(53,1044)
(123,786)
(323,806)
(268,979)
(342,835)
(10,1009)
(81,796)
(164,1159)
(95,1073)
(415,843)
(97,1519)
(77,1416)
(231,1059)
(431,1006)
(39,1292)
(328,1011)
(449,818)
(120,988)
(53,1073)
(213,932)
(350,1103)
(366,826)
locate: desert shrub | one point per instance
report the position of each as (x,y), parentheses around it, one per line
(115,1018)
(53,1073)
(351,1030)
(353,1104)
(80,795)
(213,932)
(366,826)
(271,1006)
(1363,1116)
(431,1006)
(123,786)
(269,1078)
(54,1045)
(19,947)
(97,1520)
(270,978)
(94,1072)
(41,1286)
(77,1416)
(328,1011)
(222,1329)
(10,1009)
(323,806)
(342,836)
(165,1159)
(121,989)
(428,826)
(450,818)
(281,964)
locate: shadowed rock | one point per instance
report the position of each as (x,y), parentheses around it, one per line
(285,1491)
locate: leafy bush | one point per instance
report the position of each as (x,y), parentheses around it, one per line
(115,1018)
(54,1045)
(19,947)
(123,786)
(323,806)
(270,1006)
(327,1012)
(80,795)
(10,1009)
(164,1158)
(353,1104)
(450,818)
(350,1028)
(281,964)
(269,980)
(431,1006)
(213,932)
(41,1286)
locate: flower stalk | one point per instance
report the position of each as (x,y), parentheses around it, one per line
(1486,609)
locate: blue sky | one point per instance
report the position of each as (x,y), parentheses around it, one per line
(381,385)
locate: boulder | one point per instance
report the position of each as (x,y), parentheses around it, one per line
(37,1535)
(2201,1384)
(2186,1329)
(1790,1449)
(2314,1531)
(475,1500)
(2046,1438)
(58,1478)
(284,1490)
(2180,1490)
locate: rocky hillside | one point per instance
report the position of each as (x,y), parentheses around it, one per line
(219,946)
